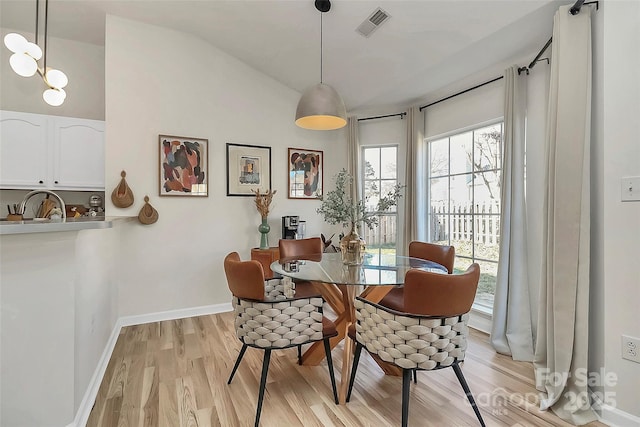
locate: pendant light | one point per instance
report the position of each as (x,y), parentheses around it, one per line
(26,55)
(321,107)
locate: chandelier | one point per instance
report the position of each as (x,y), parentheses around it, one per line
(26,55)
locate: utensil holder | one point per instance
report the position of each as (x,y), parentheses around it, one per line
(14,217)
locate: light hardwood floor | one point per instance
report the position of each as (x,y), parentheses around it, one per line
(174,374)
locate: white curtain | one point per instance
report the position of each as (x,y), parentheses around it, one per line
(511,331)
(562,333)
(353,156)
(415,135)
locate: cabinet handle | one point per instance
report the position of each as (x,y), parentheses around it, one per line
(55,182)
(41,182)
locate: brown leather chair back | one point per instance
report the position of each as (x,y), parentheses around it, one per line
(245,278)
(437,294)
(443,255)
(290,248)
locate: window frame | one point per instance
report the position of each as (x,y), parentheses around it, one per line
(379,181)
(479,306)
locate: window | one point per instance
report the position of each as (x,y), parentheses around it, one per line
(464,201)
(380,175)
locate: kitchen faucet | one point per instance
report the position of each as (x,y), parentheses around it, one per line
(30,194)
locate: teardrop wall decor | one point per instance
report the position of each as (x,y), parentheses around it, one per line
(148,215)
(122,195)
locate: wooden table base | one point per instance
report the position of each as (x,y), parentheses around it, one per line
(340,298)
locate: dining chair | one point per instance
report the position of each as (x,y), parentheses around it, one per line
(428,333)
(273,322)
(292,248)
(442,254)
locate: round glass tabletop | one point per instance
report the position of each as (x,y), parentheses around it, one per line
(375,271)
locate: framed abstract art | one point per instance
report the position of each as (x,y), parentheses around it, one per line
(183,166)
(305,173)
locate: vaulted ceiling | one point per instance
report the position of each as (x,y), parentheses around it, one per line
(424,46)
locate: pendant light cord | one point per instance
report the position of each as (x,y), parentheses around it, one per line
(321,47)
(37,15)
(46,21)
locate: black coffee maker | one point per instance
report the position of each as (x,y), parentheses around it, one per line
(290,227)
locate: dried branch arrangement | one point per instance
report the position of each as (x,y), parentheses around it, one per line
(263,200)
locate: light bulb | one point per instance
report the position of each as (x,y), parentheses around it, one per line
(56,78)
(15,42)
(54,97)
(23,64)
(33,50)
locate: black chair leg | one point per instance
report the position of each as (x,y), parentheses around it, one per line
(300,355)
(467,391)
(354,368)
(415,376)
(263,383)
(406,383)
(327,350)
(238,360)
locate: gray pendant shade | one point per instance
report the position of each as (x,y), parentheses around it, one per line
(321,108)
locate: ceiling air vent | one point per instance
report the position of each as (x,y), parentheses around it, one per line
(377,18)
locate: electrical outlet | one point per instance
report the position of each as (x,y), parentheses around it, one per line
(631,348)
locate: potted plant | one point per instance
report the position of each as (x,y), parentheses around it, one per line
(338,207)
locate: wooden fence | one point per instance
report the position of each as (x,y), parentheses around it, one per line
(465,222)
(387,231)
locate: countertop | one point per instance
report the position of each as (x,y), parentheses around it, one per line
(68,224)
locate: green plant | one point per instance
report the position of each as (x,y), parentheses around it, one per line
(338,207)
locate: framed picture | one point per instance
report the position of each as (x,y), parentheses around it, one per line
(248,168)
(183,166)
(305,174)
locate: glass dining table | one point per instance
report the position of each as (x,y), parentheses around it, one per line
(339,284)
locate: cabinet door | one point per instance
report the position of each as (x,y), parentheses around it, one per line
(79,154)
(23,150)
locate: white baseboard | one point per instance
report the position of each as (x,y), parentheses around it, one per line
(614,417)
(174,314)
(611,416)
(82,415)
(480,320)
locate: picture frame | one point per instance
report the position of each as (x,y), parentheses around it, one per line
(183,166)
(306,174)
(248,169)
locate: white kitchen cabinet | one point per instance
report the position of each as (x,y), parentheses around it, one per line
(78,154)
(52,152)
(24,150)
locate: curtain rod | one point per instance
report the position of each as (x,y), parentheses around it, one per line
(575,9)
(460,93)
(382,117)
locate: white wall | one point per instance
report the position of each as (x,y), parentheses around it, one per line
(478,106)
(621,221)
(160,81)
(58,311)
(83,63)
